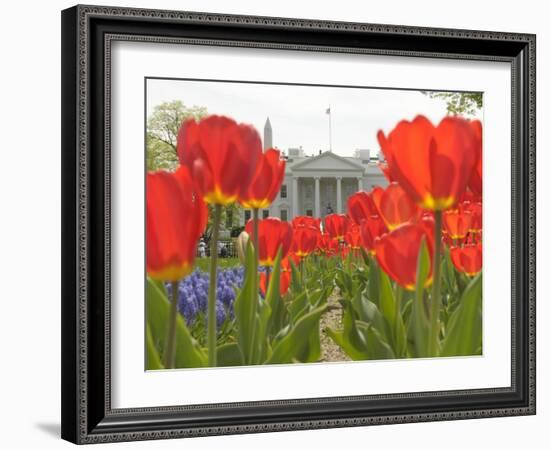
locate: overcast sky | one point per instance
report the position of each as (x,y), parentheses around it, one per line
(298,113)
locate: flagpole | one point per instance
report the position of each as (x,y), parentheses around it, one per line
(330,128)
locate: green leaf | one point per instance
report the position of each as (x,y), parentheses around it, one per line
(374,282)
(465,328)
(345,345)
(420,324)
(298,306)
(377,346)
(153,358)
(295,283)
(294,342)
(344,282)
(229,355)
(188,352)
(310,352)
(365,256)
(245,307)
(261,336)
(275,320)
(390,309)
(350,339)
(372,315)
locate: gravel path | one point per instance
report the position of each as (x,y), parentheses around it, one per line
(330,352)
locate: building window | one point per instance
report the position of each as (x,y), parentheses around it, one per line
(247,215)
(229,219)
(309,213)
(284,215)
(265,213)
(283,191)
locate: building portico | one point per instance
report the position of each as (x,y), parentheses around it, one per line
(321,185)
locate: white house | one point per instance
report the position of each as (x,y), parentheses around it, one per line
(320,185)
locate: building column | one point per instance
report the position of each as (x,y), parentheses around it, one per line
(317,197)
(339,195)
(294,196)
(359,183)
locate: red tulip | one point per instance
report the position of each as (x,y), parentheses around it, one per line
(433,164)
(221,155)
(370,230)
(477,210)
(457,223)
(336,225)
(361,206)
(395,206)
(467,259)
(304,240)
(284,282)
(175,219)
(306,221)
(327,245)
(476,184)
(273,234)
(266,183)
(397,252)
(353,237)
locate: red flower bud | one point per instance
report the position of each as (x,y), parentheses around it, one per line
(221,155)
(266,183)
(432,164)
(304,240)
(395,206)
(273,234)
(336,225)
(306,221)
(370,230)
(361,206)
(457,223)
(397,251)
(467,259)
(175,219)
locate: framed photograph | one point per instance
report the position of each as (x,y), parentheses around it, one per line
(280,224)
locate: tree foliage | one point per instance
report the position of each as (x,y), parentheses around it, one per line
(162,132)
(463,103)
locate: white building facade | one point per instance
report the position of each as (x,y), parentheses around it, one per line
(320,185)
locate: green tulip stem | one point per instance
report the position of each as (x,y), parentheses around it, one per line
(436,289)
(169,360)
(267,277)
(256,280)
(211,336)
(256,242)
(398,301)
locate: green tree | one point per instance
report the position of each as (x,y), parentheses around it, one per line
(463,103)
(162,132)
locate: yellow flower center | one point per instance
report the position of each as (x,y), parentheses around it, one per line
(437,204)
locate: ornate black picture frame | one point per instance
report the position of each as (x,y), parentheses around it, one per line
(87,35)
